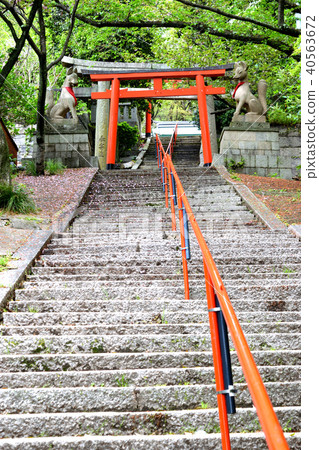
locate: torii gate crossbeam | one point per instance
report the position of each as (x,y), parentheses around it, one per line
(200,90)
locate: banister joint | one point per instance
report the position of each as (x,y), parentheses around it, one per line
(231,391)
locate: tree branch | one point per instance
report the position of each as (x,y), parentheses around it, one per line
(9,25)
(19,21)
(66,42)
(295,8)
(20,43)
(201,28)
(286,31)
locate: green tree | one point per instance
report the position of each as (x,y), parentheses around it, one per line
(14,16)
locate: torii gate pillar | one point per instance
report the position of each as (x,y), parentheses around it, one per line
(203,118)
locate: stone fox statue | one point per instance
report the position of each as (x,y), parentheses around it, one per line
(243,96)
(67,101)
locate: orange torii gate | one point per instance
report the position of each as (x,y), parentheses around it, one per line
(200,91)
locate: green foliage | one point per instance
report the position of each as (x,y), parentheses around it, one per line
(13,167)
(232,165)
(181,110)
(4,260)
(54,167)
(223,119)
(30,168)
(15,198)
(128,137)
(18,101)
(278,116)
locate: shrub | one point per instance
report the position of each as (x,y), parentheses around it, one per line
(14,198)
(31,168)
(127,137)
(277,116)
(54,167)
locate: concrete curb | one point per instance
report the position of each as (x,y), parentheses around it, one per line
(25,256)
(295,230)
(140,156)
(251,201)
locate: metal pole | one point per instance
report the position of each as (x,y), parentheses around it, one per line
(186,234)
(225,354)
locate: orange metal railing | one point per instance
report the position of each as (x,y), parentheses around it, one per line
(214,286)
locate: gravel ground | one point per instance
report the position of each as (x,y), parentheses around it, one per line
(282,197)
(52,194)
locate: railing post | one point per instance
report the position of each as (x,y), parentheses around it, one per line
(181,220)
(157,150)
(218,365)
(225,354)
(174,188)
(165,181)
(172,197)
(186,233)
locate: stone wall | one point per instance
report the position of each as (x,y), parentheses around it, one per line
(68,143)
(265,150)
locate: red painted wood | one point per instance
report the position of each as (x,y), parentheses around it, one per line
(112,136)
(203,118)
(150,93)
(190,74)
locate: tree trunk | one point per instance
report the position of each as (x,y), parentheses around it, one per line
(43,76)
(40,116)
(4,159)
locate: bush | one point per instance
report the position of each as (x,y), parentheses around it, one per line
(277,116)
(30,168)
(14,198)
(127,137)
(54,167)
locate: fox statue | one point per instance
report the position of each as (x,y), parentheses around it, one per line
(67,101)
(244,97)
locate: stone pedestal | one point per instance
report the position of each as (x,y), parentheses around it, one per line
(258,145)
(67,142)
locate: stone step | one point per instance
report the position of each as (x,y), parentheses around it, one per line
(106,323)
(138,377)
(46,291)
(161,442)
(251,238)
(164,240)
(166,245)
(169,309)
(44,269)
(46,362)
(265,278)
(221,262)
(281,307)
(136,343)
(50,263)
(153,398)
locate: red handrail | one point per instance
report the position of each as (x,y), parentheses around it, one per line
(273,432)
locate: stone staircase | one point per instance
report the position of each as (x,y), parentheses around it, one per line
(186,151)
(100,350)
